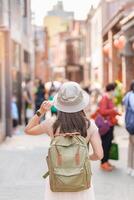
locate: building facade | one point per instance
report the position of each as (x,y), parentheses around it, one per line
(5,71)
(75,51)
(16,61)
(96,46)
(106,26)
(117,46)
(57,23)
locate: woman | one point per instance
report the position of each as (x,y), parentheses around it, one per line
(28,100)
(129,102)
(70,102)
(108,110)
(15,114)
(39,95)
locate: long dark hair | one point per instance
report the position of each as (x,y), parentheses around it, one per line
(71,122)
(132,86)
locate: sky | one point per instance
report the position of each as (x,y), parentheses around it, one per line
(80,8)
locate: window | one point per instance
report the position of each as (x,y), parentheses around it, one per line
(24,8)
(26,57)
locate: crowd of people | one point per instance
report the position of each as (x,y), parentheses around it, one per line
(34,93)
(104,107)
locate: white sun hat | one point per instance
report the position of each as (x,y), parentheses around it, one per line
(71,98)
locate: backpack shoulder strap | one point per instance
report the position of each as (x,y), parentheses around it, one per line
(88,124)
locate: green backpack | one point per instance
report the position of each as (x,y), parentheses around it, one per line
(68,163)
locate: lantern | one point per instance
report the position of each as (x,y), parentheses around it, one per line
(122,42)
(116,43)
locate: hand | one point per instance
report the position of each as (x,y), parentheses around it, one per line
(45,106)
(120,113)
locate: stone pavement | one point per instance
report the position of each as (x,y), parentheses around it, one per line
(22,163)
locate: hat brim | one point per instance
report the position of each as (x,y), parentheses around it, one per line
(75,108)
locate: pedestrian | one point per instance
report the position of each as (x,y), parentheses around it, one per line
(28,100)
(118,93)
(70,125)
(96,95)
(39,95)
(52,93)
(15,114)
(107,109)
(128,101)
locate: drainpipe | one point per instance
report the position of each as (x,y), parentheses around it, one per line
(8,81)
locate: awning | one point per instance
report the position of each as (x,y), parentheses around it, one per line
(115,20)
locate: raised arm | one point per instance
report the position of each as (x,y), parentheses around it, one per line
(96,143)
(97,147)
(34,127)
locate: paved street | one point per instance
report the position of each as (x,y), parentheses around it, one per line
(22,161)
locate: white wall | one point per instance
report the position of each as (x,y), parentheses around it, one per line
(96,46)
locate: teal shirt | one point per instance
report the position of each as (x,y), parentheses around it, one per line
(53,109)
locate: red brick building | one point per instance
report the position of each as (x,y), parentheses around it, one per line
(75,51)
